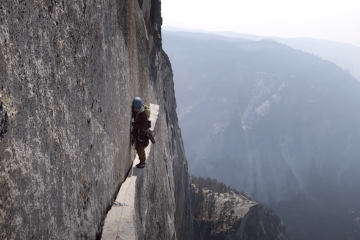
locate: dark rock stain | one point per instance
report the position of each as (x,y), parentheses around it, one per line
(4,120)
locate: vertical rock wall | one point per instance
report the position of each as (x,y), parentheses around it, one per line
(163,205)
(162,196)
(68,73)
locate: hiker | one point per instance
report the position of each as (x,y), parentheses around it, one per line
(140,129)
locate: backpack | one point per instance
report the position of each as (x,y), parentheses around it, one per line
(149,135)
(147,109)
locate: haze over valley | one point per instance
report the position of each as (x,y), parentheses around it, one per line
(280,124)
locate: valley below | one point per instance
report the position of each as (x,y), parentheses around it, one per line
(280,124)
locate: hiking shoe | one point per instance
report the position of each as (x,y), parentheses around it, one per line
(140,165)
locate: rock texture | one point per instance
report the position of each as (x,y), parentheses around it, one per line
(163,203)
(68,73)
(222,213)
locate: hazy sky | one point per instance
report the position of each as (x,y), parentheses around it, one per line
(324,19)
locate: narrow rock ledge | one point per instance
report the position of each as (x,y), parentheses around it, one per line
(119,222)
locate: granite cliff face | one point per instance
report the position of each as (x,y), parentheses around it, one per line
(68,73)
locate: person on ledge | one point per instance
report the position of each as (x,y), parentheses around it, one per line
(139,130)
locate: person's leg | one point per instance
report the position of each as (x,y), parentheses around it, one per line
(141,152)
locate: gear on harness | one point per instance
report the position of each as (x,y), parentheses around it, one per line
(141,136)
(144,136)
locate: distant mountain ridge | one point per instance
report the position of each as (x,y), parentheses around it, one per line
(346,55)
